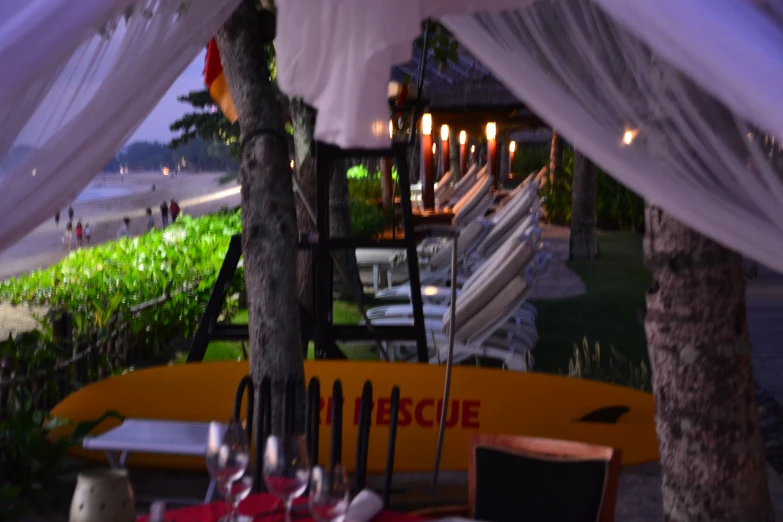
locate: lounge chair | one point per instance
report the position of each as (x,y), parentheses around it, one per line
(487,313)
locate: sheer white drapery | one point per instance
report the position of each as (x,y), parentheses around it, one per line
(594,81)
(693,83)
(337,55)
(78,79)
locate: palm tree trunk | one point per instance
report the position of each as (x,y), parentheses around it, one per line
(555,157)
(711,449)
(303,120)
(584,232)
(269,239)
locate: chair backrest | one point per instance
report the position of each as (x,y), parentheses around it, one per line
(523,478)
(509,219)
(466,183)
(469,238)
(494,276)
(481,187)
(363,440)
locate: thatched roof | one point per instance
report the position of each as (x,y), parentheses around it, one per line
(465,92)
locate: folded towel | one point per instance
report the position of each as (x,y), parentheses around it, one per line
(364,507)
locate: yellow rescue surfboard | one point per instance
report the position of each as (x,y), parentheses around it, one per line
(482,401)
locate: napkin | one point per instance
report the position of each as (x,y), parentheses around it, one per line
(364,507)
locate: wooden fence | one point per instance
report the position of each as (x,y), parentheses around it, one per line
(94,357)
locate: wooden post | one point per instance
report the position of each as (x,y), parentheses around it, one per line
(427,174)
(463,153)
(493,162)
(512,148)
(444,148)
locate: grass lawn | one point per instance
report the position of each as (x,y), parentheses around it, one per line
(345,312)
(607,313)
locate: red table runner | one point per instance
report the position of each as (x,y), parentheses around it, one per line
(259,507)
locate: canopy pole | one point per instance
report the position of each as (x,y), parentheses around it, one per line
(449,363)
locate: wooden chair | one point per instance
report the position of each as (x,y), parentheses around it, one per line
(516,478)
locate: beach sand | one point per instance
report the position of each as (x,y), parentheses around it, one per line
(197,194)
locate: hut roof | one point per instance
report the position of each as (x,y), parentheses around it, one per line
(465,92)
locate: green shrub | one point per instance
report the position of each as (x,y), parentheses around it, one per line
(29,463)
(94,284)
(588,363)
(617,207)
(366,219)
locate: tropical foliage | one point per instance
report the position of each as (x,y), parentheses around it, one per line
(617,207)
(588,363)
(364,193)
(95,284)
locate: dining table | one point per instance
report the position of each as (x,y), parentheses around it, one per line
(264,507)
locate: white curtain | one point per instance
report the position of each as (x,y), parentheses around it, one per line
(694,85)
(78,78)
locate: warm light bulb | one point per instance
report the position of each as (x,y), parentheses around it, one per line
(444,132)
(391,129)
(463,137)
(434,148)
(492,131)
(426,124)
(629,136)
(292,164)
(472,149)
(512,146)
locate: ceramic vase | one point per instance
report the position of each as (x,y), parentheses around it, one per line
(103,496)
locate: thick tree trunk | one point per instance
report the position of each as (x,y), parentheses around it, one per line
(584,232)
(454,153)
(555,157)
(387,186)
(711,449)
(268,218)
(340,226)
(303,120)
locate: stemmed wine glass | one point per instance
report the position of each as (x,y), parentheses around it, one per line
(237,491)
(329,493)
(227,457)
(286,468)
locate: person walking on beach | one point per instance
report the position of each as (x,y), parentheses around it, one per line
(57,219)
(69,234)
(164,214)
(174,209)
(150,220)
(124,231)
(79,235)
(87,233)
(70,213)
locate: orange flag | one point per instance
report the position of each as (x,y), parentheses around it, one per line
(215,81)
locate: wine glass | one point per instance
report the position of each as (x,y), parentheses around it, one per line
(286,468)
(235,492)
(227,457)
(329,493)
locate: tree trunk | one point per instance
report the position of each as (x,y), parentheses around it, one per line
(387,186)
(340,226)
(269,239)
(711,449)
(303,120)
(555,157)
(504,160)
(454,154)
(584,233)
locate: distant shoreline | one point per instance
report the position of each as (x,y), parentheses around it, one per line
(197,194)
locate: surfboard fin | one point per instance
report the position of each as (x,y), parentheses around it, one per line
(607,414)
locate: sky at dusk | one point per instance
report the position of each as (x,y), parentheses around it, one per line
(156,126)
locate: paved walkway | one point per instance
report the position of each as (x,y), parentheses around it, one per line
(765,322)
